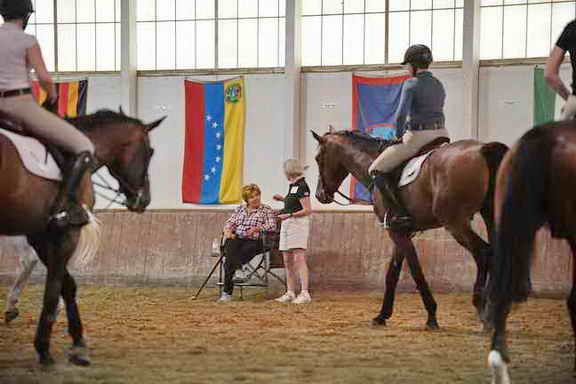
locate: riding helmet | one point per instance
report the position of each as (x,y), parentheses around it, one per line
(418,55)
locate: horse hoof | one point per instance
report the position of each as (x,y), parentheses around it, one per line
(10,315)
(378,321)
(432,325)
(498,368)
(47,361)
(79,356)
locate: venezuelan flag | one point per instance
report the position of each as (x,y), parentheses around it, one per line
(214,149)
(71,97)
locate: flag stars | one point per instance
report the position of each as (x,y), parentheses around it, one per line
(218,134)
(218,159)
(214,125)
(206,177)
(219,148)
(213,170)
(208,117)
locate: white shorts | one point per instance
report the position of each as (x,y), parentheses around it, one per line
(294,233)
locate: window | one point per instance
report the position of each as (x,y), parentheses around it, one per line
(522,28)
(342,32)
(197,34)
(78,35)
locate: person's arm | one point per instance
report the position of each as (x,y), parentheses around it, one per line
(405,106)
(34,57)
(232,223)
(552,70)
(270,224)
(306,207)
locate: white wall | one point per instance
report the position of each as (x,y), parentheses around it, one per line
(506,102)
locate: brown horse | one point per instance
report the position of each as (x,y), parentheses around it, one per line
(123,146)
(535,186)
(455,182)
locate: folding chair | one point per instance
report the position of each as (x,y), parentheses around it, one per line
(257,273)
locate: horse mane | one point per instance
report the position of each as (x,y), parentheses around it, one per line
(101,117)
(365,142)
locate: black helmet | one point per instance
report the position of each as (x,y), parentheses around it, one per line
(418,55)
(16,9)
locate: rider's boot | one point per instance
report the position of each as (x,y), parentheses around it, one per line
(67,211)
(397,218)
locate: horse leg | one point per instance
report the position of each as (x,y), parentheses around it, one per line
(28,261)
(78,353)
(51,254)
(392,275)
(571,303)
(406,246)
(481,252)
(498,358)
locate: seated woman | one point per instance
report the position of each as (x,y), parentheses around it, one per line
(242,232)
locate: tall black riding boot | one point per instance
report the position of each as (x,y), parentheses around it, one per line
(67,211)
(398,217)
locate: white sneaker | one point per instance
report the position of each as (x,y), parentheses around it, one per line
(303,298)
(225,298)
(288,297)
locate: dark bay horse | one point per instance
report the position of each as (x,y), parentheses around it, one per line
(455,182)
(536,185)
(123,146)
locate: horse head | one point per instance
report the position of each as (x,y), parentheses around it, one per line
(331,171)
(123,146)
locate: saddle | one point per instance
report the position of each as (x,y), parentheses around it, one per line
(17,129)
(409,170)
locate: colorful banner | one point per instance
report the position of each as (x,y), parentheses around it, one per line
(547,103)
(72,97)
(214,149)
(374,103)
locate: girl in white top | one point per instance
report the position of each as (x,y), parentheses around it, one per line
(19,53)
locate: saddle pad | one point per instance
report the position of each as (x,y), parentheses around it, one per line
(412,169)
(34,155)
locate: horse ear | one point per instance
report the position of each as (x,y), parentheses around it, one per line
(154,124)
(316,136)
(331,128)
(121,111)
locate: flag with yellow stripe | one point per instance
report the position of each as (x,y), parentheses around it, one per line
(71,97)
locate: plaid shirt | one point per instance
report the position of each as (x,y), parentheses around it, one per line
(243,219)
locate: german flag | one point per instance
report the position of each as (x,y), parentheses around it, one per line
(71,97)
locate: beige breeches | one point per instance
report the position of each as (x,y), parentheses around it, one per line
(412,142)
(45,125)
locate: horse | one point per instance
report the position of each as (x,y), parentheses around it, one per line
(456,181)
(535,187)
(122,145)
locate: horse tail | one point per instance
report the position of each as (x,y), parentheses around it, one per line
(523,212)
(89,241)
(493,153)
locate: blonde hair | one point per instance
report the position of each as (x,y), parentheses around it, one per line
(293,168)
(249,191)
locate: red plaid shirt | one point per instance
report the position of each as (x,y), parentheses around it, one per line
(243,219)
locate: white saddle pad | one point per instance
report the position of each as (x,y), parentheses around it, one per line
(34,155)
(412,169)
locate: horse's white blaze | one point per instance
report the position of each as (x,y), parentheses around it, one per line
(88,243)
(498,368)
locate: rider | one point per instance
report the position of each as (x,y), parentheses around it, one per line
(19,53)
(422,100)
(566,43)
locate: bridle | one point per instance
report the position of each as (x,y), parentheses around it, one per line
(124,186)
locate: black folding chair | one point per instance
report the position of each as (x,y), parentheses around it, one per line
(256,275)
